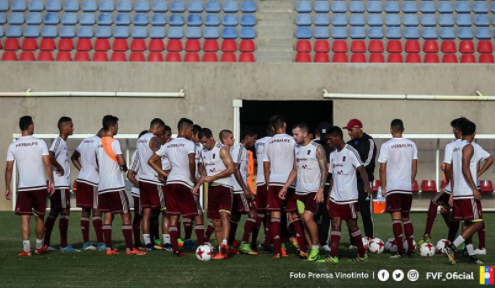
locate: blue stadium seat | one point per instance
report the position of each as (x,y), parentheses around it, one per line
(69,19)
(32,32)
(4,6)
(392,20)
(177,7)
(322,20)
(483,33)
(375,7)
(142,6)
(231,20)
(105,19)
(480,7)
(249,20)
(339,7)
(303,6)
(357,20)
(176,20)
(212,20)
(32,19)
(230,6)
(464,20)
(123,19)
(409,7)
(463,7)
(119,33)
(16,31)
(52,19)
(339,32)
(447,33)
(158,20)
(375,19)
(358,33)
(446,20)
(303,20)
(411,20)
(141,19)
(465,33)
(482,20)
(212,33)
(160,6)
(445,7)
(339,20)
(88,19)
(213,6)
(322,7)
(89,6)
(322,33)
(85,32)
(49,32)
(493,20)
(107,6)
(124,6)
(376,32)
(157,33)
(357,7)
(36,6)
(16,19)
(139,33)
(392,7)
(411,33)
(195,20)
(195,6)
(428,7)
(68,32)
(430,33)
(18,6)
(428,20)
(193,33)
(105,32)
(229,33)
(71,6)
(303,33)
(247,33)
(1,31)
(248,6)
(493,7)
(3,18)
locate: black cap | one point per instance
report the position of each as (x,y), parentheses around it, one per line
(323,128)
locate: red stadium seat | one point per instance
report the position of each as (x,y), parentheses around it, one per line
(394,46)
(118,56)
(413,58)
(303,57)
(247,45)
(9,56)
(430,46)
(449,58)
(102,45)
(486,58)
(210,45)
(395,58)
(210,57)
(173,57)
(448,46)
(27,56)
(155,56)
(466,46)
(377,58)
(358,58)
(358,46)
(85,44)
(136,57)
(65,44)
(412,46)
(468,58)
(322,58)
(11,44)
(120,45)
(415,186)
(428,186)
(431,58)
(484,46)
(191,57)
(81,56)
(229,45)
(339,46)
(100,57)
(63,56)
(174,45)
(322,46)
(375,46)
(486,186)
(45,56)
(376,185)
(29,44)
(340,58)
(138,45)
(246,57)
(228,57)
(47,44)
(157,45)
(193,45)
(303,46)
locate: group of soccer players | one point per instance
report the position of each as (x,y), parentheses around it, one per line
(167,175)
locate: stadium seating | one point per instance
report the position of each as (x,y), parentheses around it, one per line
(428,186)
(486,186)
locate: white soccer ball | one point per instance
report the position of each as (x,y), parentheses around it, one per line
(376,246)
(441,244)
(391,245)
(406,246)
(204,253)
(366,241)
(427,250)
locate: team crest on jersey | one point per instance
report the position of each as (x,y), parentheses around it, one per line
(309,152)
(213,156)
(343,159)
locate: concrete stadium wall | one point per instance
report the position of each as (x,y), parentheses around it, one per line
(210,89)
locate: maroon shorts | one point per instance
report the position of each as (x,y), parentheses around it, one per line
(398,203)
(31,200)
(151,195)
(138,210)
(113,202)
(343,211)
(309,201)
(241,204)
(180,200)
(442,199)
(261,197)
(60,199)
(86,195)
(274,203)
(219,200)
(467,210)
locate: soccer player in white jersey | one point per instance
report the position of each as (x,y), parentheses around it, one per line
(84,160)
(398,167)
(31,157)
(342,201)
(216,168)
(111,187)
(278,161)
(150,187)
(465,196)
(311,170)
(60,200)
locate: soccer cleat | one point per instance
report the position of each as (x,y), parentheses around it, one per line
(352,247)
(283,252)
(42,250)
(101,247)
(168,247)
(220,256)
(180,242)
(233,250)
(236,244)
(254,247)
(303,255)
(139,246)
(179,254)
(481,251)
(134,251)
(328,259)
(24,253)
(111,251)
(150,247)
(326,248)
(314,255)
(474,260)
(294,242)
(88,246)
(158,247)
(359,259)
(267,250)
(224,249)
(425,239)
(69,248)
(51,248)
(398,255)
(189,244)
(447,250)
(277,256)
(245,248)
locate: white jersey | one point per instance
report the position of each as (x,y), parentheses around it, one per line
(343,165)
(111,178)
(89,167)
(399,154)
(447,159)
(259,146)
(462,189)
(213,164)
(135,166)
(148,174)
(481,154)
(280,154)
(308,169)
(59,148)
(239,156)
(28,152)
(198,148)
(177,152)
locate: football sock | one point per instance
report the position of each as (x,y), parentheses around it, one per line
(256,230)
(97,224)
(26,245)
(356,235)
(335,241)
(481,237)
(127,231)
(39,243)
(458,241)
(136,228)
(188,227)
(453,228)
(409,232)
(85,229)
(268,233)
(50,222)
(166,239)
(233,230)
(299,233)
(248,229)
(430,219)
(275,232)
(107,234)
(63,225)
(200,231)
(397,227)
(147,239)
(174,235)
(470,249)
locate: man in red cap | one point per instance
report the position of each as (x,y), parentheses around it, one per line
(366,147)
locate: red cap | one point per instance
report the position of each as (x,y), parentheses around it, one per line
(353,123)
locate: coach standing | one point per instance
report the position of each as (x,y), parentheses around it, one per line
(366,147)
